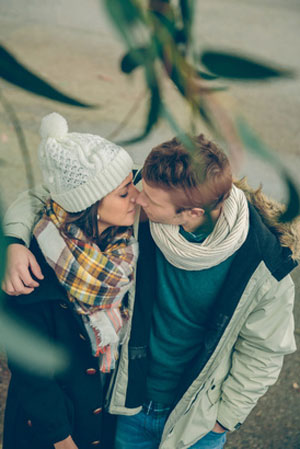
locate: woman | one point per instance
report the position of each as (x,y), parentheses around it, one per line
(84,244)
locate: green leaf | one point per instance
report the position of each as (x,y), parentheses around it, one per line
(241,68)
(293,207)
(152,118)
(253,143)
(29,349)
(187,9)
(183,137)
(130,10)
(3,247)
(15,73)
(26,347)
(178,79)
(180,36)
(124,15)
(154,110)
(207,119)
(133,59)
(207,76)
(166,22)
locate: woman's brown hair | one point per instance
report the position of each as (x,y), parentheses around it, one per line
(87,221)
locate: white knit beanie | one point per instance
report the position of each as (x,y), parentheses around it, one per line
(79,169)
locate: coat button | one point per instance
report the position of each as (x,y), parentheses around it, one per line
(91,371)
(95,443)
(97,411)
(63,305)
(29,423)
(82,337)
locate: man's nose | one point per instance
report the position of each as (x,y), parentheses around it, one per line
(141,199)
(134,194)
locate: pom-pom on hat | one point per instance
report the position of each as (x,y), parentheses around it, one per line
(79,169)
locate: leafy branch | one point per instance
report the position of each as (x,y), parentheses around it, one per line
(159,36)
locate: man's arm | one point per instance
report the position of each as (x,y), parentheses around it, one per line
(21,266)
(68,443)
(22,215)
(18,223)
(267,335)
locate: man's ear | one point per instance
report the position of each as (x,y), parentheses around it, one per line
(195,212)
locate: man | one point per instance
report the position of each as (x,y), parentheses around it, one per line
(212,318)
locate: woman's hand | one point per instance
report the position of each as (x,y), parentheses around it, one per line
(17,279)
(67,443)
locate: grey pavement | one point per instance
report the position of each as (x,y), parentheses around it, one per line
(71,43)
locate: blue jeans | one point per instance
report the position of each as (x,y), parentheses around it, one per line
(144,430)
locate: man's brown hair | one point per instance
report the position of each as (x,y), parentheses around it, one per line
(204,174)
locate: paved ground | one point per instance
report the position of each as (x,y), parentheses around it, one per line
(71,43)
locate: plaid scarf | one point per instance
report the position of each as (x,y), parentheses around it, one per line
(96,281)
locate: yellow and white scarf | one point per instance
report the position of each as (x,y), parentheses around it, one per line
(96,281)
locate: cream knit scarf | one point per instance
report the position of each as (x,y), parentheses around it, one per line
(227,237)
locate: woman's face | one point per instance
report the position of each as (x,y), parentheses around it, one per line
(118,207)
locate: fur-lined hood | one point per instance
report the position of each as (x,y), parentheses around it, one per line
(270,210)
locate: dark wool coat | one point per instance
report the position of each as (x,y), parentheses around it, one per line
(41,410)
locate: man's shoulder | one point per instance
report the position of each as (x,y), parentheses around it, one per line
(267,244)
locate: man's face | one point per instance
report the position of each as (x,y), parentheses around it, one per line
(158,205)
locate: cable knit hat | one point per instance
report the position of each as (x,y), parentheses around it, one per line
(79,169)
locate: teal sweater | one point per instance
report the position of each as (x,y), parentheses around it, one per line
(181,310)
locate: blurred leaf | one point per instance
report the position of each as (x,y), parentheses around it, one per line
(167,22)
(210,90)
(29,349)
(152,119)
(257,146)
(207,119)
(129,9)
(2,253)
(186,9)
(15,73)
(133,59)
(183,137)
(124,15)
(178,79)
(207,76)
(238,67)
(16,124)
(154,110)
(293,207)
(172,62)
(253,143)
(180,36)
